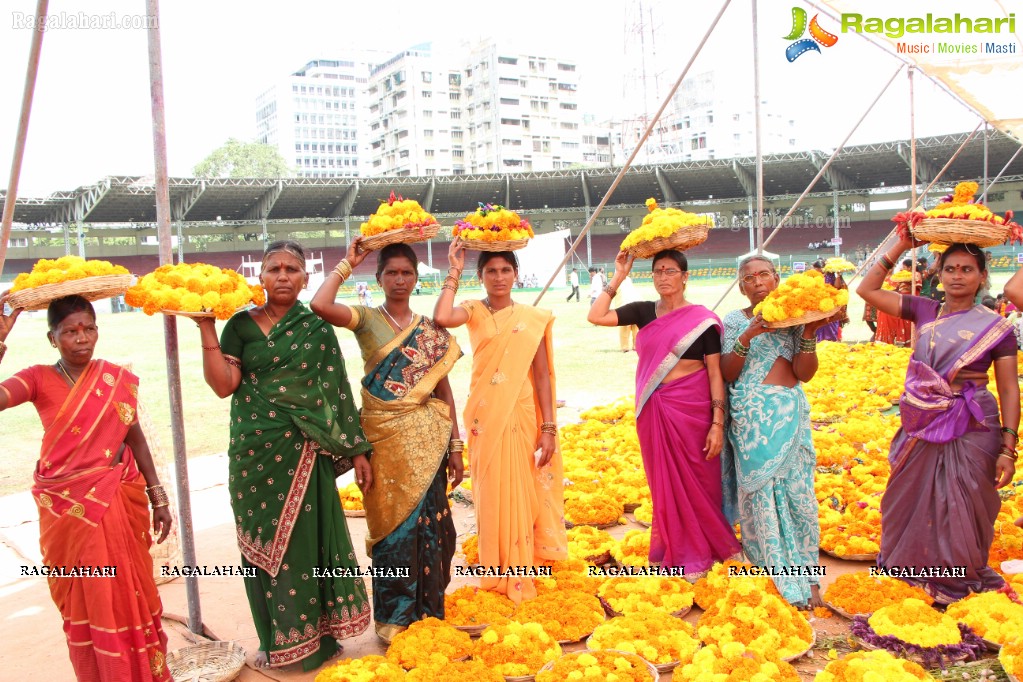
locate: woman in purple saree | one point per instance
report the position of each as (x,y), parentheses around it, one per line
(952,452)
(679,414)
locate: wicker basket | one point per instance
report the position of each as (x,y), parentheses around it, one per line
(479,245)
(206,662)
(599,526)
(404,235)
(811,316)
(473,630)
(609,610)
(599,559)
(916,658)
(951,231)
(660,667)
(679,240)
(355,513)
(813,641)
(91,288)
(851,557)
(842,612)
(632,506)
(655,675)
(993,646)
(201,313)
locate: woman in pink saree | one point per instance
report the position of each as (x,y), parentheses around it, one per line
(680,410)
(954,449)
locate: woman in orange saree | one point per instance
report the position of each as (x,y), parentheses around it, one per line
(90,488)
(514,460)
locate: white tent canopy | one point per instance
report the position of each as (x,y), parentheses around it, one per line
(773,257)
(425,269)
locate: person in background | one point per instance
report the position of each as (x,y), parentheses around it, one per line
(680,413)
(627,332)
(573,282)
(408,414)
(595,285)
(94,483)
(891,328)
(956,446)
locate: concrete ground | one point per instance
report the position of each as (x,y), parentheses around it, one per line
(31,628)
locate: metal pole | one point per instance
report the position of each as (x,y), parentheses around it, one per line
(628,163)
(756,134)
(170,329)
(19,142)
(81,239)
(838,247)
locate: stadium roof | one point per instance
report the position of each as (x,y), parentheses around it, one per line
(857,170)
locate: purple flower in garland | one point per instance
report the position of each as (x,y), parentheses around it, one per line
(969,648)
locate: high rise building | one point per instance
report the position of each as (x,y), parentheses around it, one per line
(313,117)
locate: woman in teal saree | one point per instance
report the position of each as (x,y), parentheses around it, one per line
(292,418)
(408,413)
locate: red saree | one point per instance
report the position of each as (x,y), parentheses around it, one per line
(94,517)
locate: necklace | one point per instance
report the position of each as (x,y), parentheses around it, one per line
(268,316)
(493,313)
(63,369)
(383,306)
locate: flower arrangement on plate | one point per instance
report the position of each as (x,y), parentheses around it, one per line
(397,220)
(472,606)
(867,666)
(644,513)
(633,549)
(960,218)
(625,594)
(366,669)
(801,298)
(914,630)
(838,264)
(718,580)
(598,666)
(658,637)
(516,649)
(992,615)
(590,544)
(194,289)
(428,642)
(493,227)
(67,276)
(666,229)
(757,619)
(573,574)
(471,549)
(567,616)
(592,509)
(734,662)
(457,671)
(1011,658)
(861,594)
(351,500)
(902,276)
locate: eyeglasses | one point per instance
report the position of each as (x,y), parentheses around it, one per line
(666,272)
(763,274)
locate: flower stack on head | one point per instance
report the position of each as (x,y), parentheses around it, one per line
(756,619)
(912,629)
(598,666)
(67,276)
(838,264)
(515,649)
(958,218)
(667,229)
(493,227)
(194,289)
(428,642)
(801,298)
(397,220)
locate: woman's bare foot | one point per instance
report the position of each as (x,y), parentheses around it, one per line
(261,660)
(815,597)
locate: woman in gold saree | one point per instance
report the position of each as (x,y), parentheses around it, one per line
(408,414)
(91,485)
(514,459)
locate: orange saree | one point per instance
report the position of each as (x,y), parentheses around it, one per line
(519,508)
(94,522)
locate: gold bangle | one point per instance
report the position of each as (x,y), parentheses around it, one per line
(157,496)
(3,350)
(343,269)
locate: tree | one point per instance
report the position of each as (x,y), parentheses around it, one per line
(237,159)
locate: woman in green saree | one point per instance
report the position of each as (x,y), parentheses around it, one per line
(292,419)
(408,413)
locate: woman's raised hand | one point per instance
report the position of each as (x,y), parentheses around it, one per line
(757,326)
(355,253)
(623,264)
(7,321)
(456,254)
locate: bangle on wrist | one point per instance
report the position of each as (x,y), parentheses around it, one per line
(216,347)
(609,291)
(549,427)
(739,349)
(1006,429)
(157,496)
(808,346)
(721,424)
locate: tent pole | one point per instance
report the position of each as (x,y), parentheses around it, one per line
(628,163)
(170,329)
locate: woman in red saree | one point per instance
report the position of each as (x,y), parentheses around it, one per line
(680,411)
(91,491)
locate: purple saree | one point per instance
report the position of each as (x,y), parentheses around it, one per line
(940,505)
(689,529)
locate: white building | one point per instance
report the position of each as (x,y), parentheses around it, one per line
(313,118)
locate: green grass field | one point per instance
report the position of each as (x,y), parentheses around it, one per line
(591,369)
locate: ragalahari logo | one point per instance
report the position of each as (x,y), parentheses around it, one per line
(817,35)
